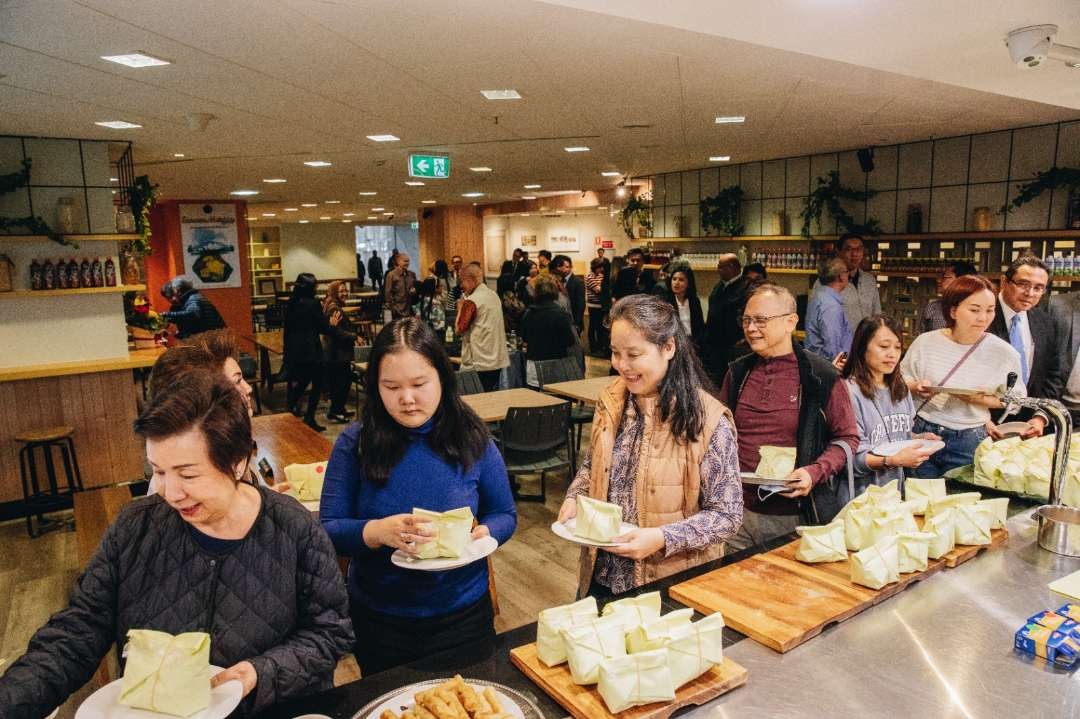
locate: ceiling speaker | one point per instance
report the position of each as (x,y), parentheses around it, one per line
(866,159)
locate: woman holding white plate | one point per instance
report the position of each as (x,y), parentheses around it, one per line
(417,446)
(884,411)
(663,449)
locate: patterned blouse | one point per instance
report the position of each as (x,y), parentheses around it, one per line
(721,496)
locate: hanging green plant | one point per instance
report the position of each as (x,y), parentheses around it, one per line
(637,209)
(826,197)
(721,211)
(15,180)
(30,225)
(1052,179)
(143,197)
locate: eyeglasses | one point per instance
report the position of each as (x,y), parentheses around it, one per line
(1028,288)
(759,322)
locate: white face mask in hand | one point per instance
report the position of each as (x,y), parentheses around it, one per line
(764,491)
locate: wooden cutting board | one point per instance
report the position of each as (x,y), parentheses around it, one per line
(781,602)
(585,702)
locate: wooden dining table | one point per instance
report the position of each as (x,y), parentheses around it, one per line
(581,390)
(267,342)
(493,406)
(283,439)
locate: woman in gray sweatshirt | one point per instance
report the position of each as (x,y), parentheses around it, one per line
(883,406)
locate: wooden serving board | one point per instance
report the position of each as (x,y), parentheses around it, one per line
(585,702)
(781,602)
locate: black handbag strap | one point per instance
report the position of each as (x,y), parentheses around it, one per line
(954,368)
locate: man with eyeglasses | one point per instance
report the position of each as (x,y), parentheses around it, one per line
(782,395)
(861,298)
(1029,329)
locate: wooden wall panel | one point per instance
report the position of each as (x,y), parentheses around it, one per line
(101,407)
(449,231)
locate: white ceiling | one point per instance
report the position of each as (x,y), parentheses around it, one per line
(295,80)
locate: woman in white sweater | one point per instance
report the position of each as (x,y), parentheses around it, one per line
(961,356)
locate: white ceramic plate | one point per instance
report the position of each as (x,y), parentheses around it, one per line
(958,391)
(888,449)
(1013,429)
(402,700)
(474,549)
(104,704)
(566,531)
(752,478)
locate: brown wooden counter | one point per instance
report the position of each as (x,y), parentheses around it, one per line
(135,359)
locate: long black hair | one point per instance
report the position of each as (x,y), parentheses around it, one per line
(679,402)
(857,367)
(303,288)
(458,435)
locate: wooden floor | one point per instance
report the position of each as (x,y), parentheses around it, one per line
(533,570)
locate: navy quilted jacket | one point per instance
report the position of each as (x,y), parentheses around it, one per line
(277,600)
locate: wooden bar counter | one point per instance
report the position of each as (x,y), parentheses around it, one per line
(96,397)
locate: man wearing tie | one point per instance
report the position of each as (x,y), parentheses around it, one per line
(1027,328)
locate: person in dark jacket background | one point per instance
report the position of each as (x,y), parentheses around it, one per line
(338,350)
(545,328)
(375,271)
(304,322)
(210,553)
(191,311)
(575,289)
(684,298)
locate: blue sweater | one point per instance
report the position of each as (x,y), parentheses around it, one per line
(422,479)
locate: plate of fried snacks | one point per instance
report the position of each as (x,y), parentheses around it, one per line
(451,699)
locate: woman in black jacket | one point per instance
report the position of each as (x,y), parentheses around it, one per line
(546,329)
(304,322)
(211,553)
(684,298)
(338,350)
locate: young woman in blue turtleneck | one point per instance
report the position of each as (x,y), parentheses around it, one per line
(418,445)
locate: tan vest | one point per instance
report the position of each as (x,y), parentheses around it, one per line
(667,480)
(483,346)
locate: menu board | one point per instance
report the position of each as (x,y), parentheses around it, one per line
(211,246)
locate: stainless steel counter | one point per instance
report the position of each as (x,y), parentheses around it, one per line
(941,648)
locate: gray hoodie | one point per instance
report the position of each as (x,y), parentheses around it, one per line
(879,420)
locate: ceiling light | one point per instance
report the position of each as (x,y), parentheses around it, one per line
(244,193)
(366,194)
(524,214)
(304,222)
(325,217)
(427,202)
(114,179)
(309,204)
(414,183)
(610,174)
(620,191)
(560,212)
(528,197)
(118,125)
(730,119)
(472,194)
(372,217)
(383,138)
(377,209)
(533,187)
(269,214)
(348,214)
(576,148)
(274,180)
(292,209)
(136,59)
(501,94)
(480,169)
(332,202)
(178,154)
(388,213)
(318,163)
(346,221)
(719,158)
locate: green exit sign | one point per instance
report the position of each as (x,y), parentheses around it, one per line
(431,166)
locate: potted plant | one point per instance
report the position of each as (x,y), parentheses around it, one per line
(826,197)
(144,323)
(638,210)
(721,211)
(1052,179)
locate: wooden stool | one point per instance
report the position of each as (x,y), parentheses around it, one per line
(38,500)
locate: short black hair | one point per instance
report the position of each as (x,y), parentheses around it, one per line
(559,259)
(848,236)
(1025,260)
(545,253)
(636,251)
(962,268)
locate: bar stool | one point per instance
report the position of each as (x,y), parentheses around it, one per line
(36,499)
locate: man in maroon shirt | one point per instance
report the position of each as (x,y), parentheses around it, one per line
(784,396)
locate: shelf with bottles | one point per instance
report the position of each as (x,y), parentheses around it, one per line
(16,294)
(256,258)
(739,238)
(71,238)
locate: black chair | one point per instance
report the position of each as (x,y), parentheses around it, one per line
(566,369)
(529,439)
(275,316)
(250,369)
(468,382)
(360,354)
(37,500)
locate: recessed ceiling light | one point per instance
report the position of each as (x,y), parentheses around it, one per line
(366,193)
(730,119)
(325,217)
(318,163)
(304,222)
(383,138)
(388,213)
(524,214)
(292,209)
(472,194)
(332,202)
(244,193)
(346,221)
(348,214)
(136,59)
(610,174)
(269,214)
(118,124)
(114,179)
(576,148)
(719,158)
(480,169)
(501,94)
(528,197)
(414,183)
(533,187)
(309,204)
(274,180)
(372,217)
(560,212)
(178,154)
(377,209)
(427,202)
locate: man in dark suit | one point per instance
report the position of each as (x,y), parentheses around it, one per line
(1065,312)
(1027,328)
(607,263)
(722,329)
(575,289)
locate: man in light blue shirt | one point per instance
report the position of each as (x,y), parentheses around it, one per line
(828,333)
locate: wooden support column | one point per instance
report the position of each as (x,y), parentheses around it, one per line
(448,231)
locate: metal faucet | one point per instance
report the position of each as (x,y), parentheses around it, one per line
(1062,422)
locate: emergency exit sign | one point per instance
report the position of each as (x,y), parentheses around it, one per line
(429,166)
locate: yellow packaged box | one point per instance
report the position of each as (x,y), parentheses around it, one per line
(597,521)
(166,673)
(451,532)
(549,641)
(636,679)
(823,543)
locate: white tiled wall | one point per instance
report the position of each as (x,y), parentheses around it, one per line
(949,178)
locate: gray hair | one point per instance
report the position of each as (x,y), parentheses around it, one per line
(780,292)
(830,269)
(473,272)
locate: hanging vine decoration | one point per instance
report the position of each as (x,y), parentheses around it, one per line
(638,207)
(826,197)
(1055,177)
(30,225)
(721,211)
(143,197)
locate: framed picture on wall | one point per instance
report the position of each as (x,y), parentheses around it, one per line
(528,241)
(563,243)
(267,286)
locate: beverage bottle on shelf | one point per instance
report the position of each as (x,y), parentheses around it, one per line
(86,275)
(48,276)
(61,275)
(449,333)
(110,273)
(74,281)
(97,273)
(35,275)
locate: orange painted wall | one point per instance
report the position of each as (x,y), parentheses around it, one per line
(166,261)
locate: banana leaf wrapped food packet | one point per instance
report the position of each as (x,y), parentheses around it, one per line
(952,500)
(889,521)
(590,645)
(166,673)
(999,511)
(776,462)
(597,521)
(451,529)
(943,528)
(550,647)
(306,480)
(823,543)
(886,495)
(913,551)
(695,648)
(858,527)
(877,565)
(636,679)
(654,634)
(973,524)
(639,609)
(920,490)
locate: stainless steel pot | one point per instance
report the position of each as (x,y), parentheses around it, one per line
(1059,529)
